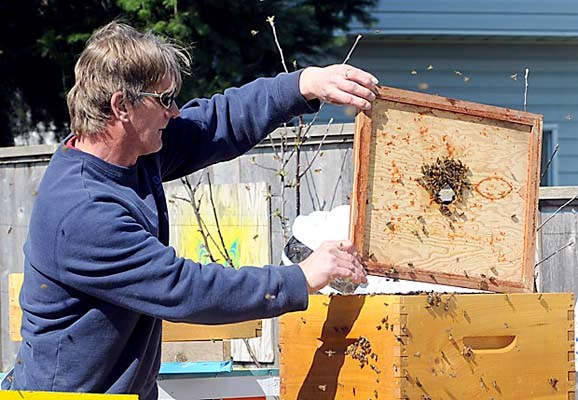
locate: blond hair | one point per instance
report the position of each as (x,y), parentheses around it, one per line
(116,58)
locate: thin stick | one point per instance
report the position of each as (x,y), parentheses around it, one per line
(357,39)
(318,150)
(550,161)
(570,243)
(298,167)
(251,353)
(273,143)
(340,175)
(203,228)
(197,212)
(224,246)
(526,87)
(304,137)
(271,21)
(556,212)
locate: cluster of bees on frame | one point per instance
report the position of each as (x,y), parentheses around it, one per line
(361,350)
(449,175)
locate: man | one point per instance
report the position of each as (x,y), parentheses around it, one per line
(99,276)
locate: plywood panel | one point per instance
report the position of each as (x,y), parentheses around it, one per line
(208,350)
(243,218)
(484,238)
(14,310)
(179,332)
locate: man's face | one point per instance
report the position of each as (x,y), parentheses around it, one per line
(151,116)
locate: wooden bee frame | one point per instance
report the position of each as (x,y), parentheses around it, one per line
(485,239)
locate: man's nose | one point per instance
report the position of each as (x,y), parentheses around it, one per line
(174,110)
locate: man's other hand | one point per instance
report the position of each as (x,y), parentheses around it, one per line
(332,260)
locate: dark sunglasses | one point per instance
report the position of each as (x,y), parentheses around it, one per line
(166,99)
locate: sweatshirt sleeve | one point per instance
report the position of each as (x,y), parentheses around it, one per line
(229,124)
(121,263)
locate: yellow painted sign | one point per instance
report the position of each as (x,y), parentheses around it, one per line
(24,395)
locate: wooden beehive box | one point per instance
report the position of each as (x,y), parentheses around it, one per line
(479,233)
(461,346)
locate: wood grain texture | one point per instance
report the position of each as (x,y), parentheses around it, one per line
(559,253)
(541,329)
(182,332)
(361,150)
(207,350)
(466,346)
(15,312)
(489,241)
(312,345)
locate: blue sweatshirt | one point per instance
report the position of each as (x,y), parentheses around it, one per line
(99,275)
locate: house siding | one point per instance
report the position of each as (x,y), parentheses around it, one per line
(535,18)
(490,72)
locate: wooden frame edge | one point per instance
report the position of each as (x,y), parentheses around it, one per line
(454,105)
(532,204)
(361,143)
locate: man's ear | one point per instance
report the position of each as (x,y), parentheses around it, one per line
(119,107)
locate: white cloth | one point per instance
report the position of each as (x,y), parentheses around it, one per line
(319,226)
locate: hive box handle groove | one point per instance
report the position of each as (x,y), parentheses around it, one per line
(490,344)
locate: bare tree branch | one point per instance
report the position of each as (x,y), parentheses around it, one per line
(224,246)
(526,88)
(196,209)
(271,21)
(318,149)
(570,243)
(556,212)
(357,39)
(550,161)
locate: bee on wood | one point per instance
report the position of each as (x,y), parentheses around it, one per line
(330,353)
(467,351)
